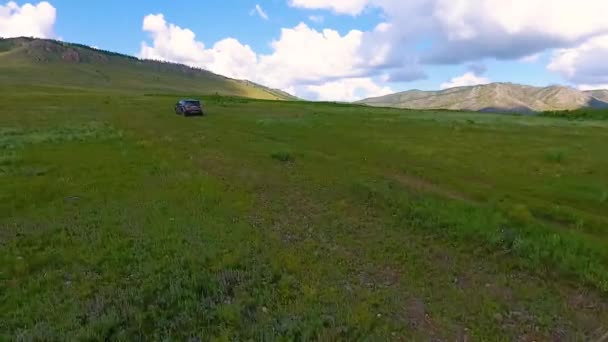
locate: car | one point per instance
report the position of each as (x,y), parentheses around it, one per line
(189,107)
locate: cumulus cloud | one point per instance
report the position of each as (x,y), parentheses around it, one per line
(347,89)
(469,30)
(172,43)
(467,79)
(335,65)
(512,29)
(334,56)
(259,11)
(451,32)
(584,64)
(27,20)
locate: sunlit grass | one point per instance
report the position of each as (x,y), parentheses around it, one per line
(296,221)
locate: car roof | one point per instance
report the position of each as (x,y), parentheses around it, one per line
(188,100)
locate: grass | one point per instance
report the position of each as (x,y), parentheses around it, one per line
(11,139)
(120,220)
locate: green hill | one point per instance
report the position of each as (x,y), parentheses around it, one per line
(28,61)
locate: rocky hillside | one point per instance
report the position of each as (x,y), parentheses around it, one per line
(495,97)
(28,61)
(600,94)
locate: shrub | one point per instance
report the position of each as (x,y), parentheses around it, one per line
(8,159)
(579,114)
(283,156)
(520,214)
(604,197)
(555,156)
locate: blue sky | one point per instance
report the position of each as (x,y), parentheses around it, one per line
(341,49)
(88,21)
(116,25)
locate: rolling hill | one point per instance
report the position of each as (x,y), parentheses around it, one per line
(495,97)
(41,62)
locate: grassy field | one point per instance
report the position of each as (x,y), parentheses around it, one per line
(296,221)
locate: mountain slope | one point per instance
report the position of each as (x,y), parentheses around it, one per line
(494,97)
(27,61)
(600,94)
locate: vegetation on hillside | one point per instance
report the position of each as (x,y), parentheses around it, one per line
(584,113)
(44,62)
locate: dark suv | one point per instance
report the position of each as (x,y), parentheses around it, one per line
(189,107)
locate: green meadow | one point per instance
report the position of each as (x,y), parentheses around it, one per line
(295,221)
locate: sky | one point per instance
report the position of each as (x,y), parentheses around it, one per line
(342,50)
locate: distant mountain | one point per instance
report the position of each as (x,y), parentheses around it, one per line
(29,61)
(495,97)
(600,94)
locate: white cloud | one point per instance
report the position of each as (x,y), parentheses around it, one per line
(467,79)
(259,11)
(305,55)
(584,64)
(469,30)
(27,20)
(584,87)
(348,89)
(316,18)
(565,19)
(290,65)
(172,43)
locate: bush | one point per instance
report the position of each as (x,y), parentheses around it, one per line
(520,214)
(604,197)
(579,114)
(555,156)
(283,156)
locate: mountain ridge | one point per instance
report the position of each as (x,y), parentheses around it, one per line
(56,63)
(495,97)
